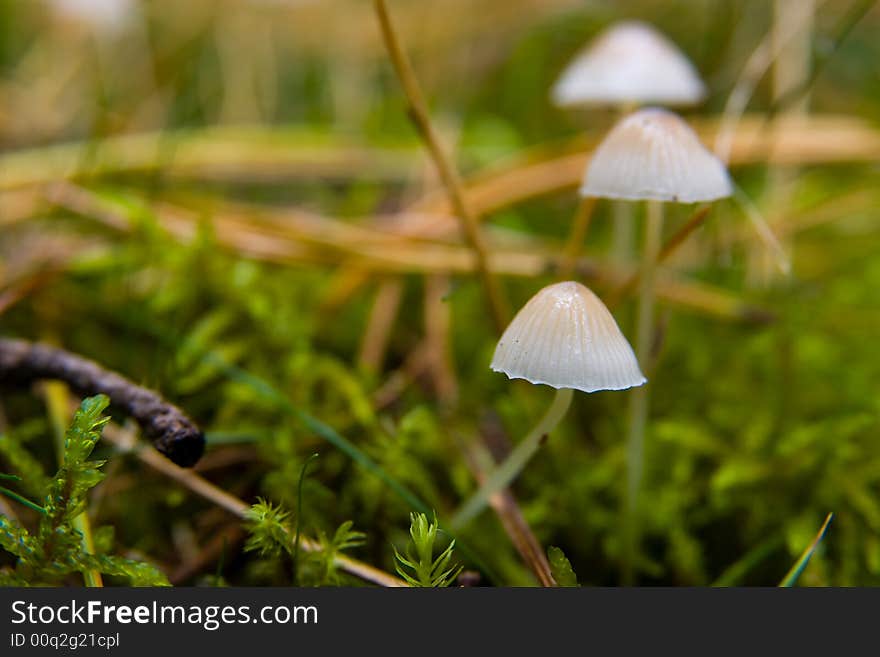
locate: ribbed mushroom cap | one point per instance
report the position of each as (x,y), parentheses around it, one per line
(630,62)
(654,154)
(565,337)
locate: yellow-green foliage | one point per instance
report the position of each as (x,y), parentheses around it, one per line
(756,430)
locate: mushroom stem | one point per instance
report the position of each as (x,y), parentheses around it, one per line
(669,247)
(638,409)
(622,233)
(508,470)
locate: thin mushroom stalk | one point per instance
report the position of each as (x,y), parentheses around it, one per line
(516,461)
(623,235)
(646,302)
(566,338)
(654,156)
(639,399)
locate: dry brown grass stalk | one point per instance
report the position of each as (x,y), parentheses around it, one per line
(242,238)
(126,442)
(468,222)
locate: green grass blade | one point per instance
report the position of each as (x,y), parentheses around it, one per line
(11,494)
(792,576)
(734,574)
(263,387)
(319,428)
(268,392)
(344,445)
(299,498)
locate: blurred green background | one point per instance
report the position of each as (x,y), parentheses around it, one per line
(181,189)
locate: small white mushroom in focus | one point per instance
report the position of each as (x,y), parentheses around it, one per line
(565,337)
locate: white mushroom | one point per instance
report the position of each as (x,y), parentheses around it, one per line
(107,16)
(653,154)
(629,63)
(565,337)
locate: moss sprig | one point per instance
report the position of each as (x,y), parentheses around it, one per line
(55,549)
(417,565)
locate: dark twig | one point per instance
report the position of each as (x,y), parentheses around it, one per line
(172,432)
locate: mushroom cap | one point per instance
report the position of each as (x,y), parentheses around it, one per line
(630,62)
(105,15)
(653,154)
(565,337)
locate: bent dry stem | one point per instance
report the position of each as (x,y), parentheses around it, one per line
(575,244)
(507,471)
(622,232)
(697,219)
(418,112)
(126,442)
